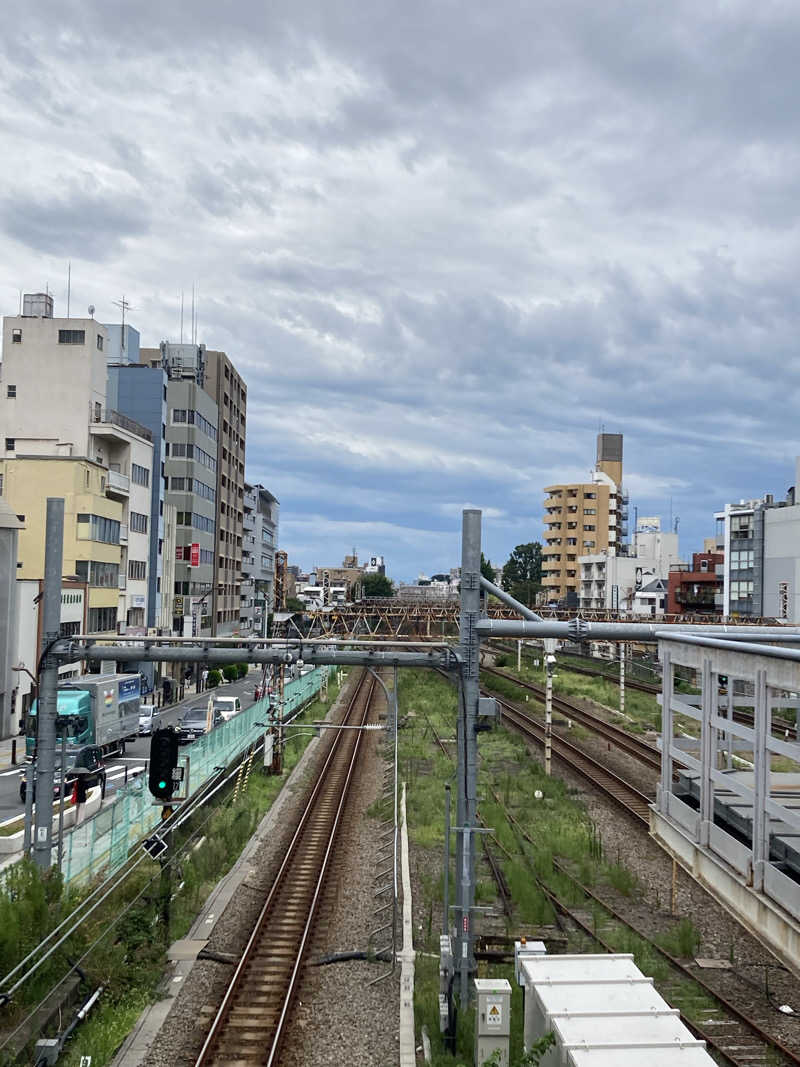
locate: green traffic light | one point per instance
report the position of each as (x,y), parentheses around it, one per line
(162,785)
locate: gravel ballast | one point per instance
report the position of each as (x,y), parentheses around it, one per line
(338,1018)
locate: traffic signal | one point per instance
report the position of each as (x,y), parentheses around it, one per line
(163,761)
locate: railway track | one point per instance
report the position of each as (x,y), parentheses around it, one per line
(623,793)
(626,742)
(594,672)
(781,726)
(729,1032)
(250,1023)
(726,1029)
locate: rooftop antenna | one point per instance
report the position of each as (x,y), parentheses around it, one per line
(20,302)
(676,524)
(194,332)
(181,316)
(124,306)
(69,285)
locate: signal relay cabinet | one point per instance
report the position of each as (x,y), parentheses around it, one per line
(492,1019)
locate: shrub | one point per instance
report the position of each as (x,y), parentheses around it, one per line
(230,672)
(214,678)
(241,670)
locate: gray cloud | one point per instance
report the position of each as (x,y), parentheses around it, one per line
(444,244)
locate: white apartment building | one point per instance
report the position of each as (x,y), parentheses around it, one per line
(53,404)
(612,582)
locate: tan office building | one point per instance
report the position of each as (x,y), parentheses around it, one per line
(581,519)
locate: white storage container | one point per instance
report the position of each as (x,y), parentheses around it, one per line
(603,1012)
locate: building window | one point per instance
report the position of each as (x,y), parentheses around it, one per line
(11,392)
(1,484)
(98,411)
(137,570)
(98,575)
(102,620)
(72,337)
(98,528)
(99,342)
(11,444)
(138,522)
(16,337)
(179,414)
(704,565)
(177,483)
(140,475)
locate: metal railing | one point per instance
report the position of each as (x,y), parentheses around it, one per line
(116,418)
(104,841)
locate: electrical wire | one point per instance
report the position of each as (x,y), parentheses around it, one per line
(177,855)
(187,811)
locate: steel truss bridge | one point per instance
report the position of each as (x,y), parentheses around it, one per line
(394,617)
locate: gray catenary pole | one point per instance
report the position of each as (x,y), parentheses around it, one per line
(467,740)
(48,684)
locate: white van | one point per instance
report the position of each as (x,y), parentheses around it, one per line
(227,706)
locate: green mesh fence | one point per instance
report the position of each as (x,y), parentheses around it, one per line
(102,843)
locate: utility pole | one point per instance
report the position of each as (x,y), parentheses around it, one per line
(622,677)
(281,565)
(48,683)
(466,810)
(549,667)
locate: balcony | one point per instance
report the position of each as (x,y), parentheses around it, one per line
(696,598)
(249,521)
(105,422)
(118,485)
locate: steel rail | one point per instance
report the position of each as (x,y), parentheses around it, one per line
(630,744)
(271,1033)
(628,796)
(684,971)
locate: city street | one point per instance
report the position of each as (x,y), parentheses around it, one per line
(136,752)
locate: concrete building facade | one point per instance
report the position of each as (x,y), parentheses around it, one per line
(96,453)
(260,539)
(696,588)
(10,526)
(229,392)
(140,392)
(611,581)
(190,471)
(761,542)
(582,519)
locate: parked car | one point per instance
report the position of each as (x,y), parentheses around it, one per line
(86,763)
(227,706)
(148,713)
(193,723)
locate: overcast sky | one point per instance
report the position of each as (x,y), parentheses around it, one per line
(443,242)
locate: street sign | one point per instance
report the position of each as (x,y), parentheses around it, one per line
(195,555)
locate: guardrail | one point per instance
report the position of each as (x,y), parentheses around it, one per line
(103,842)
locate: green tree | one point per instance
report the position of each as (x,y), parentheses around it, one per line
(522,574)
(487,570)
(293,604)
(377,585)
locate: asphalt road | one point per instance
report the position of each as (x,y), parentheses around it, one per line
(136,752)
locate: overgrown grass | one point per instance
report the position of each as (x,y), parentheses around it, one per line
(543,806)
(683,940)
(128,960)
(552,824)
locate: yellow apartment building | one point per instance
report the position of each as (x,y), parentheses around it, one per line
(93,530)
(583,518)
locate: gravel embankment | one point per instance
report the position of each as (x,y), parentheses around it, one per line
(339,1019)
